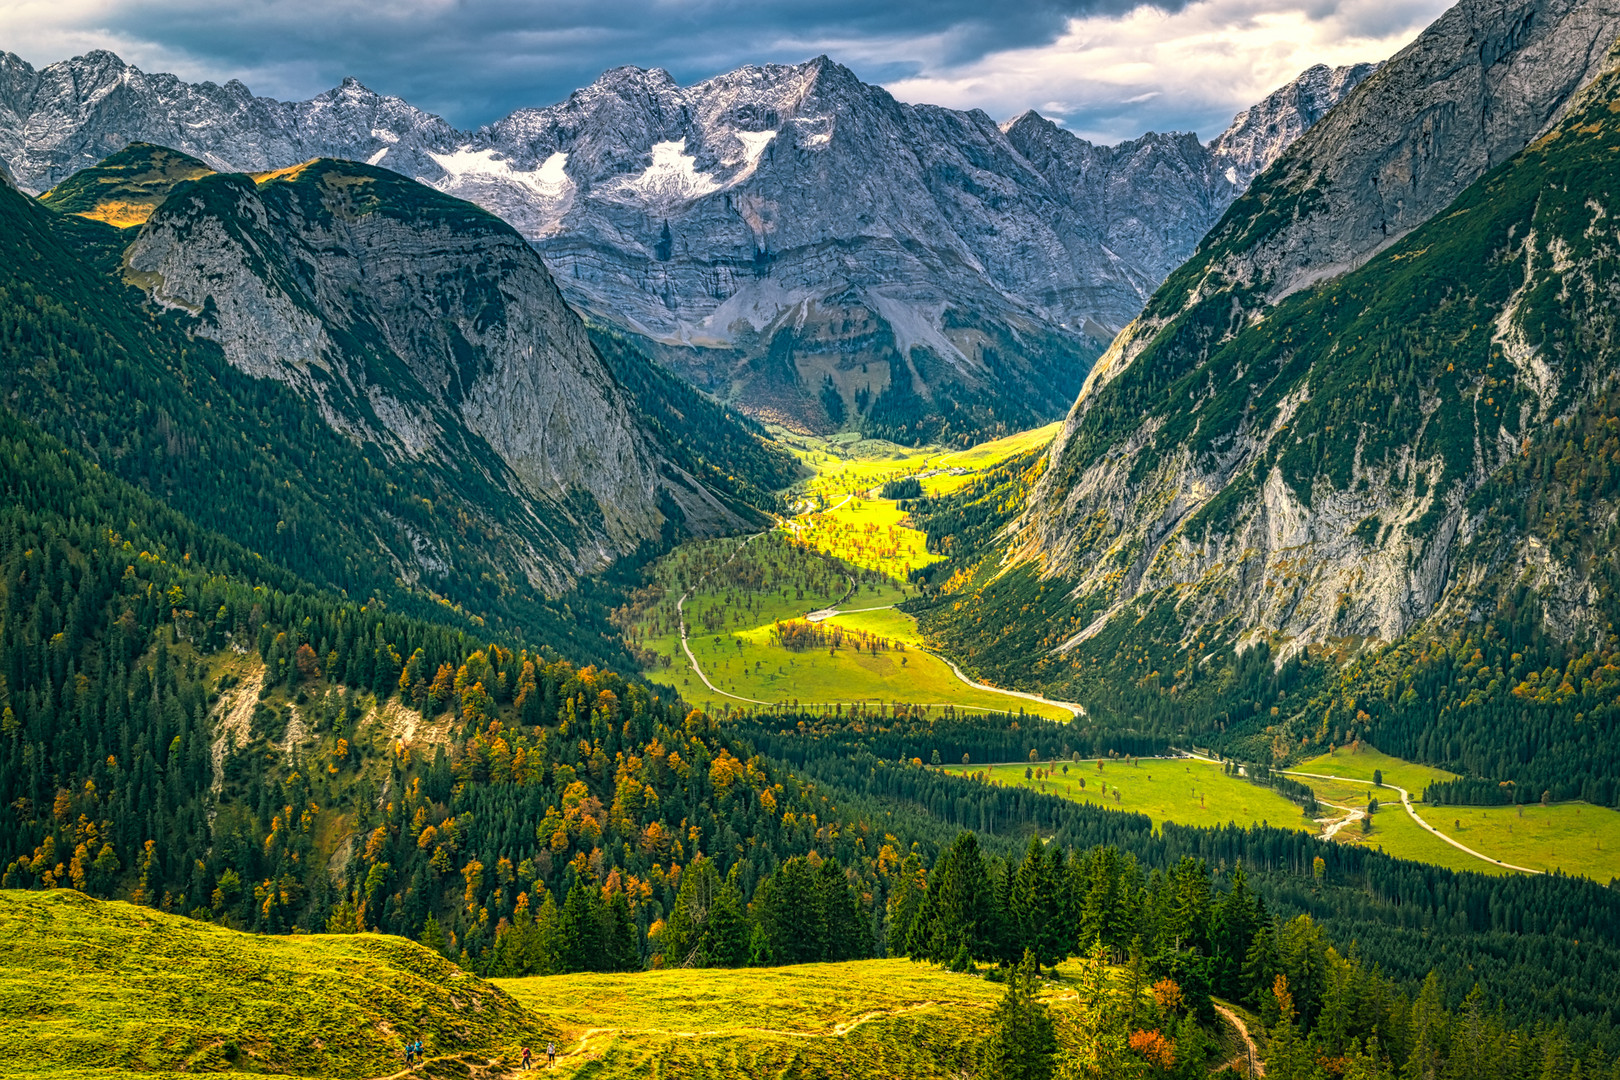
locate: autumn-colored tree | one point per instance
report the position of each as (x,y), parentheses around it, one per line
(1158,1051)
(442,689)
(307,662)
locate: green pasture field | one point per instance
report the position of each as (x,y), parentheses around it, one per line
(943,483)
(750,664)
(92,988)
(1361,761)
(1572,837)
(1393,830)
(1182,790)
(886,622)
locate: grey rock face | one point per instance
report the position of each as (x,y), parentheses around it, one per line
(1468,94)
(430,328)
(767,229)
(1128,518)
(1260,133)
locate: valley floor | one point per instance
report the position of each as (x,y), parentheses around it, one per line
(713,627)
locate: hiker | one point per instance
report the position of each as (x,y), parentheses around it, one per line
(551,1055)
(525,1059)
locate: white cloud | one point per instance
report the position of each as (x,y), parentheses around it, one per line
(1119,76)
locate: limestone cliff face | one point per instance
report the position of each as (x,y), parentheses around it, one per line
(1282,447)
(785,236)
(430,328)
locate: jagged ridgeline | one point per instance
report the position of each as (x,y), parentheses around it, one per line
(370,382)
(785,236)
(1420,452)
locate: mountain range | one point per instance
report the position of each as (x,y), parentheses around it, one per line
(786,237)
(1374,409)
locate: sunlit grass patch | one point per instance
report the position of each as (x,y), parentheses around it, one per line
(1182,790)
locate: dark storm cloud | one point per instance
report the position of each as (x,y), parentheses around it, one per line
(476,60)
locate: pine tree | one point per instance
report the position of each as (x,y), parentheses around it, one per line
(581,927)
(842,929)
(683,937)
(1021,1045)
(433,934)
(725,938)
(1037,905)
(621,939)
(905,901)
(958,913)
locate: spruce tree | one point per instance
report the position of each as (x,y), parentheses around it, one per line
(683,937)
(1021,1045)
(621,940)
(725,939)
(433,934)
(959,912)
(581,924)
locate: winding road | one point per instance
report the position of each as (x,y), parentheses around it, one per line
(1406,801)
(828,613)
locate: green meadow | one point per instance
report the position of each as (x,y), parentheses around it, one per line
(866,1017)
(1182,790)
(113,991)
(1571,837)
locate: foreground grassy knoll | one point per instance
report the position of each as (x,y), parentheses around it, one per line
(892,1018)
(95,988)
(864,1018)
(1186,791)
(1570,837)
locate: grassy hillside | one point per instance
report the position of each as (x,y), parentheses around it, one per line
(105,989)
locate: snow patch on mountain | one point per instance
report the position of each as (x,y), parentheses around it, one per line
(549,181)
(673,176)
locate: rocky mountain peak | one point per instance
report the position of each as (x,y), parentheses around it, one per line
(1259,134)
